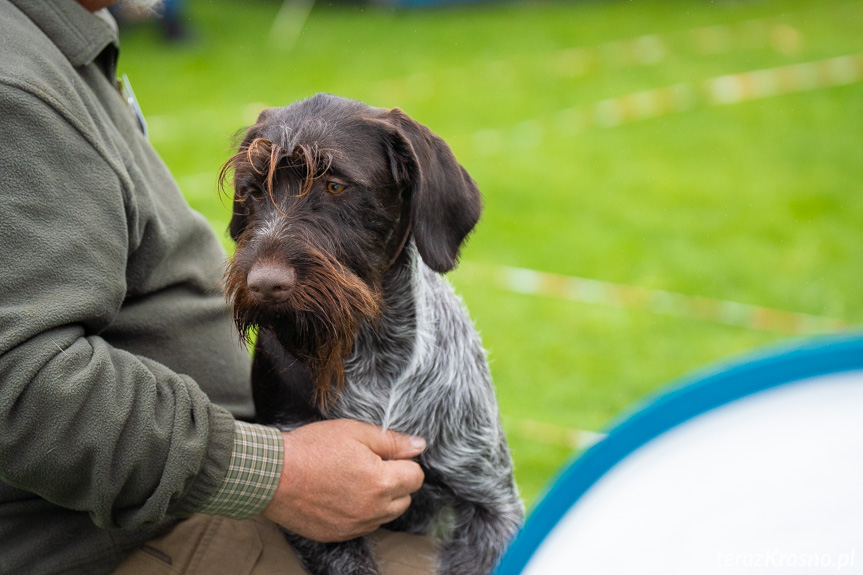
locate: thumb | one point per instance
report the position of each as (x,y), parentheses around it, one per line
(392,445)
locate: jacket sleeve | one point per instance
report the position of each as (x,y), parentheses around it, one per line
(83,424)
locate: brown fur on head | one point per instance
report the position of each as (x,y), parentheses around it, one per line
(264,158)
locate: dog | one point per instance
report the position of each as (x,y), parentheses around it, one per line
(344,218)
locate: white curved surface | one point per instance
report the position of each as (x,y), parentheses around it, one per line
(770,483)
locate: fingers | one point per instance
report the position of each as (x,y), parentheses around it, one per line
(398,508)
(405,477)
(395,509)
(391,445)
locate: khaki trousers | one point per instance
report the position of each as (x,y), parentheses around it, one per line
(207,545)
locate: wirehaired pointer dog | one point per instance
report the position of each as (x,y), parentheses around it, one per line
(344,217)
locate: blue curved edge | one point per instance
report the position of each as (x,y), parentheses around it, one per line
(688,398)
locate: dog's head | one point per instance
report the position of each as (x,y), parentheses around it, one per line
(326,193)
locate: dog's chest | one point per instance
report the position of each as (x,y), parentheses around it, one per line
(419,363)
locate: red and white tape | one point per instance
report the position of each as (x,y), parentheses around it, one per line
(591,291)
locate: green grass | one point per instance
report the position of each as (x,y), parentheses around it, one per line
(757,202)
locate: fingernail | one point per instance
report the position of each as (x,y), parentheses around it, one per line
(418,443)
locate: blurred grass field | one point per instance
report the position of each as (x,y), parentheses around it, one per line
(756,200)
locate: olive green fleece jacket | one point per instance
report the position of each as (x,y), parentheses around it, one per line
(115,342)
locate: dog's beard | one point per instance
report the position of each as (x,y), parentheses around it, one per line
(319,320)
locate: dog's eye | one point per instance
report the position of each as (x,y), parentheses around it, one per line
(335,188)
(250,192)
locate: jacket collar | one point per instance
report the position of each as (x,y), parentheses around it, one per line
(79,34)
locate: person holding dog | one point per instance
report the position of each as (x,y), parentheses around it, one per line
(125,442)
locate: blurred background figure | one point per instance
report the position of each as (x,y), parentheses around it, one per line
(170,17)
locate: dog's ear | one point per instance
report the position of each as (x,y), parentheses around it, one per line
(228,179)
(445,201)
(239,220)
(240,212)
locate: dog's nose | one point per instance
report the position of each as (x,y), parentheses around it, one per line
(271,282)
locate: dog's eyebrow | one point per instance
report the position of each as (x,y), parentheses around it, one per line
(348,173)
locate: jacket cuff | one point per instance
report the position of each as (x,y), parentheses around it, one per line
(253,473)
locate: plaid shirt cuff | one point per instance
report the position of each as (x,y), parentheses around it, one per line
(253,473)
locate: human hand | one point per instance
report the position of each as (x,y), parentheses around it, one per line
(343,479)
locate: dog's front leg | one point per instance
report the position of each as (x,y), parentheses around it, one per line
(486,509)
(352,557)
(479,538)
